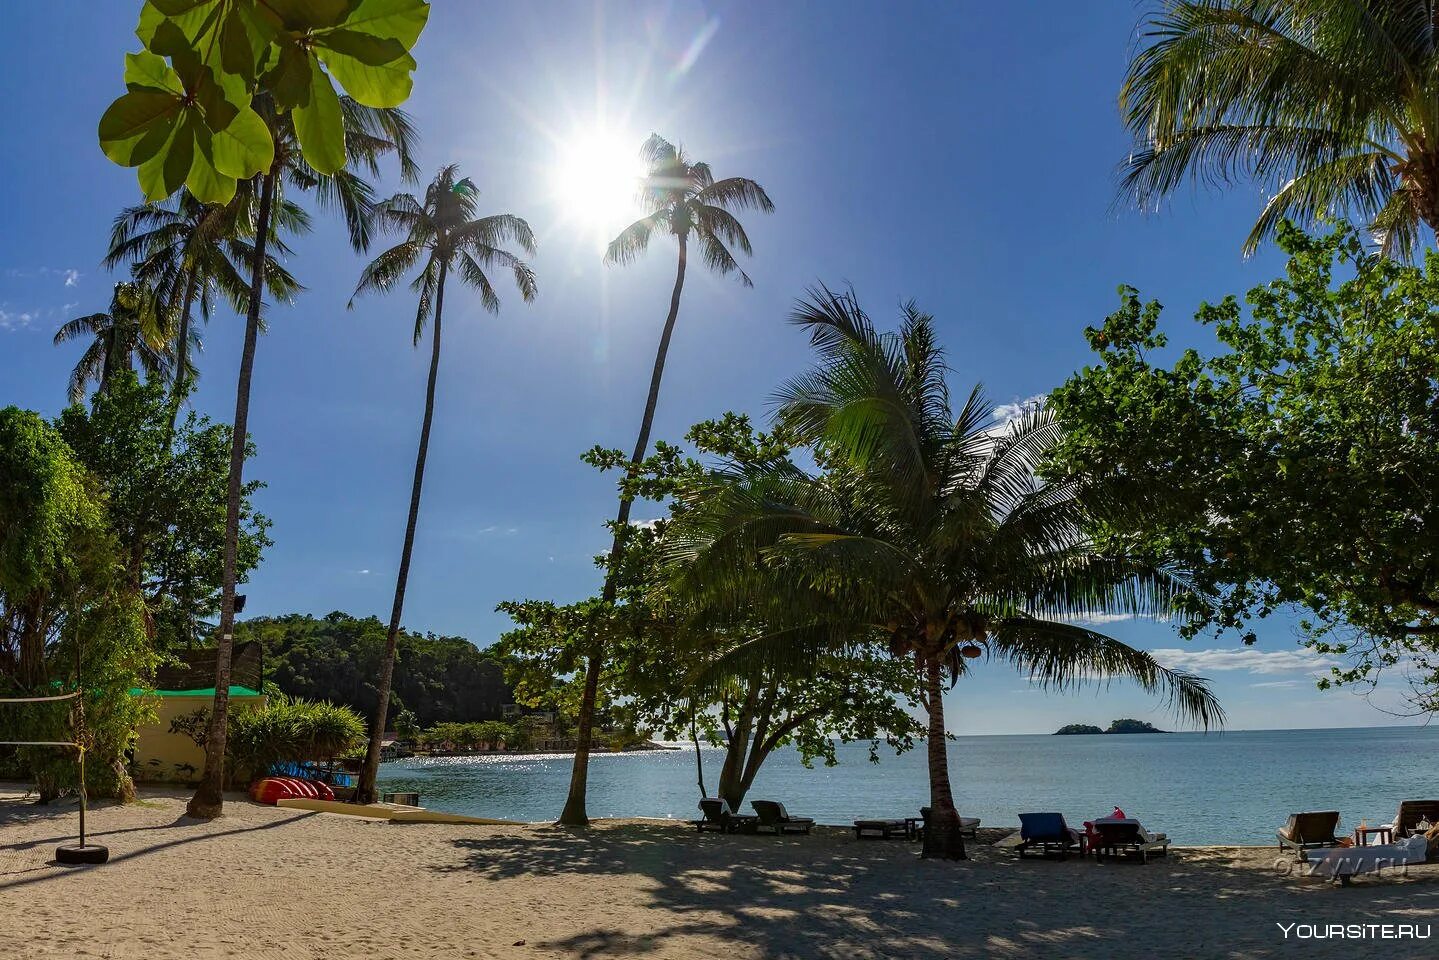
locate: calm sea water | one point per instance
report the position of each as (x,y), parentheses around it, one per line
(1235,787)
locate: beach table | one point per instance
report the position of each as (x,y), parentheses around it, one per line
(881,829)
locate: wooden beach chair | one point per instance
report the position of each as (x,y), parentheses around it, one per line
(1308,831)
(1049,833)
(717,816)
(1113,837)
(968,826)
(1411,812)
(773,816)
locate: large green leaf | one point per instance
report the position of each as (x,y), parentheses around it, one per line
(150,71)
(399,20)
(384,85)
(320,125)
(128,128)
(244,148)
(205,182)
(305,15)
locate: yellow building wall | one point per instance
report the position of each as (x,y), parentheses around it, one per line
(173,757)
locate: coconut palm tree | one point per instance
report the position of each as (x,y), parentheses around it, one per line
(445,232)
(190,252)
(683,200)
(370,134)
(1327,104)
(928,531)
(134,331)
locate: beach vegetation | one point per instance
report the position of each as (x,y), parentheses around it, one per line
(1325,104)
(1288,466)
(925,530)
(683,200)
(442,232)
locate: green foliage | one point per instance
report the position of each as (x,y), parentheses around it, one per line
(487,735)
(285,729)
(1132,726)
(62,585)
(1294,464)
(1328,104)
(166,495)
(189,118)
(660,651)
(336,658)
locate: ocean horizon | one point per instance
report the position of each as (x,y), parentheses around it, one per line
(1225,787)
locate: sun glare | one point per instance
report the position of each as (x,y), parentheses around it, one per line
(595,179)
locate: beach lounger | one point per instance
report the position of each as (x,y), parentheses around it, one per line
(773,816)
(1049,833)
(1113,837)
(1409,815)
(968,826)
(1307,831)
(717,816)
(1342,863)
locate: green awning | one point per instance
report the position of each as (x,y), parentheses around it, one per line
(235,691)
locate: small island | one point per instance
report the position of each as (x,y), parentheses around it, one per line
(1118,726)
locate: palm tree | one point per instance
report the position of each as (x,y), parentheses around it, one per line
(369,134)
(446,233)
(685,201)
(133,331)
(927,532)
(190,251)
(1327,104)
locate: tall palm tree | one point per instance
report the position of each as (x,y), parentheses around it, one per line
(1327,104)
(683,200)
(446,233)
(928,532)
(190,252)
(369,135)
(134,331)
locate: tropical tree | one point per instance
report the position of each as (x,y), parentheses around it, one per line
(368,134)
(683,200)
(927,532)
(1327,104)
(134,331)
(189,252)
(445,231)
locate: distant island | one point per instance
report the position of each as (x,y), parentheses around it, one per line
(1118,726)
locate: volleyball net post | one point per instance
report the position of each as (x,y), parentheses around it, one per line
(67,853)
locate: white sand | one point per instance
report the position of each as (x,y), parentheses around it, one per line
(263,882)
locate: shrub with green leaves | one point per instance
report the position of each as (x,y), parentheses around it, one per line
(189,115)
(283,730)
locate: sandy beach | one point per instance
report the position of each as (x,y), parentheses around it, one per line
(263,881)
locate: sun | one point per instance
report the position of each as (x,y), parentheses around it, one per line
(595,178)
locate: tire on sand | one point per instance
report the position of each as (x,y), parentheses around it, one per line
(71,853)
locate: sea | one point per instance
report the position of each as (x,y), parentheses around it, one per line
(1233,787)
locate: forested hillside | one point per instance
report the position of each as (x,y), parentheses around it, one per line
(336,658)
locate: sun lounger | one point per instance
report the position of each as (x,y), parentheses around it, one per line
(717,816)
(881,829)
(968,826)
(1049,833)
(1342,863)
(1409,815)
(1307,831)
(773,816)
(1113,837)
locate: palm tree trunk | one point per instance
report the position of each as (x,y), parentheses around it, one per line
(942,838)
(107,370)
(180,386)
(699,760)
(209,798)
(365,792)
(574,812)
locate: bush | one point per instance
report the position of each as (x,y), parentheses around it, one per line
(284,730)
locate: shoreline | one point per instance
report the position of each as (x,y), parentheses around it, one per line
(331,886)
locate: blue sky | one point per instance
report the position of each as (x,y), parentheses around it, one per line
(927,151)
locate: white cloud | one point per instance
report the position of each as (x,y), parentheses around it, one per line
(71,277)
(1007,413)
(362,572)
(1276,683)
(1248,659)
(16,319)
